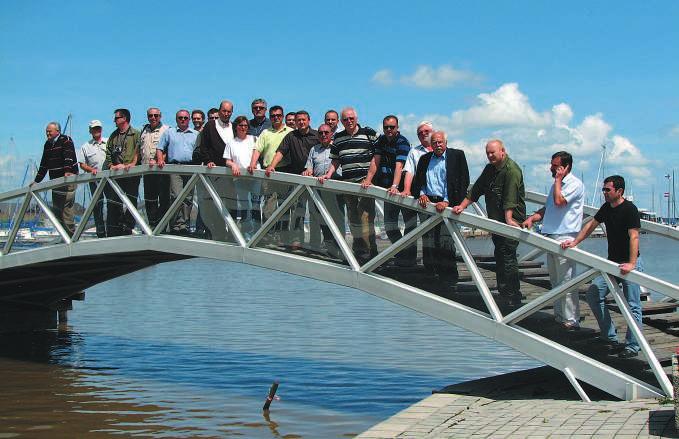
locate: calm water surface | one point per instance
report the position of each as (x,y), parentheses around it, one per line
(190,348)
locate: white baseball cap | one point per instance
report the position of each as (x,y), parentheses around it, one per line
(96,123)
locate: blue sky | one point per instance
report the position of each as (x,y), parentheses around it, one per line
(541,75)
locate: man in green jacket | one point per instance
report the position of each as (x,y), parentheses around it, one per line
(122,152)
(501,182)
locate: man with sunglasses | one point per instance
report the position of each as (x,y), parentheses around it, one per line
(259,122)
(176,147)
(122,153)
(156,186)
(391,151)
(623,222)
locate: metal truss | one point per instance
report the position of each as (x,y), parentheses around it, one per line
(492,324)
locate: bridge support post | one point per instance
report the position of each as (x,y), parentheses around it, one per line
(14,320)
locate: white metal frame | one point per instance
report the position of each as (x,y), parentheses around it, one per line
(576,367)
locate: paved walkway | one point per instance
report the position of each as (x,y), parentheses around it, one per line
(459,416)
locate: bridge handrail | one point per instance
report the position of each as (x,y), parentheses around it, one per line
(646,226)
(468,219)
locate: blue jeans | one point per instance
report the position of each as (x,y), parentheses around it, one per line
(596,296)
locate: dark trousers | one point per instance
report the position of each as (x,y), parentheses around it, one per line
(438,249)
(391,212)
(120,221)
(156,197)
(507,266)
(98,212)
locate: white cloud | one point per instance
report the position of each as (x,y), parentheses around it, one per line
(674,131)
(383,77)
(428,77)
(533,135)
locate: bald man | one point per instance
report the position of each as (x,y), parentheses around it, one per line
(501,182)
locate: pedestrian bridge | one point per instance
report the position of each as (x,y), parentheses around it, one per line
(43,270)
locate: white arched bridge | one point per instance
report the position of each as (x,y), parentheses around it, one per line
(43,269)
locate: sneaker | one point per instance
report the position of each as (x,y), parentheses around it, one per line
(628,353)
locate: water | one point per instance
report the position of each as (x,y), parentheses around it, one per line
(190,348)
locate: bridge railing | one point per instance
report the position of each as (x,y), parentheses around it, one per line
(268,214)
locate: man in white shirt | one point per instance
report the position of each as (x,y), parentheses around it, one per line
(562,220)
(91,156)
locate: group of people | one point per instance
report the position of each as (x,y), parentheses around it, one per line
(429,171)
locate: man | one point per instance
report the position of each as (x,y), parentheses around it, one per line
(623,222)
(198,119)
(214,136)
(122,153)
(58,157)
(442,177)
(259,122)
(210,152)
(562,220)
(317,165)
(176,147)
(331,119)
(424,130)
(501,182)
(352,150)
(156,186)
(265,151)
(391,150)
(290,120)
(296,146)
(213,114)
(92,156)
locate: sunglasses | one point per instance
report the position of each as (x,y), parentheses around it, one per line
(182,117)
(605,189)
(275,115)
(389,127)
(213,117)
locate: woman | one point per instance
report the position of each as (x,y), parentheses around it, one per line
(238,153)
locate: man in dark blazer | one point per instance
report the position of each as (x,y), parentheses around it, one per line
(442,177)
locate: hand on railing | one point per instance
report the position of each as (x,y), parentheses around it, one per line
(457,209)
(365,184)
(269,170)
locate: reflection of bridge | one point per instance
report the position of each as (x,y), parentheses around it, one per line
(43,277)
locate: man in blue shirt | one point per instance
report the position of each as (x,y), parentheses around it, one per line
(442,177)
(176,147)
(386,167)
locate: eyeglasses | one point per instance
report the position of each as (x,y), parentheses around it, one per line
(153,115)
(276,116)
(324,132)
(213,117)
(389,127)
(605,189)
(118,117)
(182,117)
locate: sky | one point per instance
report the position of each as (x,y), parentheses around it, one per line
(541,76)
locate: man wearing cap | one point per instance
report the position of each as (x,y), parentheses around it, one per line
(156,186)
(91,157)
(259,122)
(58,157)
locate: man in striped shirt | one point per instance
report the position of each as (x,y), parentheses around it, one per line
(352,150)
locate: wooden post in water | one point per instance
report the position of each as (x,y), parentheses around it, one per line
(270,397)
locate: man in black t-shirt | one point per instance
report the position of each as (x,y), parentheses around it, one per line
(623,222)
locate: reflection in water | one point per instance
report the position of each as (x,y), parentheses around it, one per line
(190,348)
